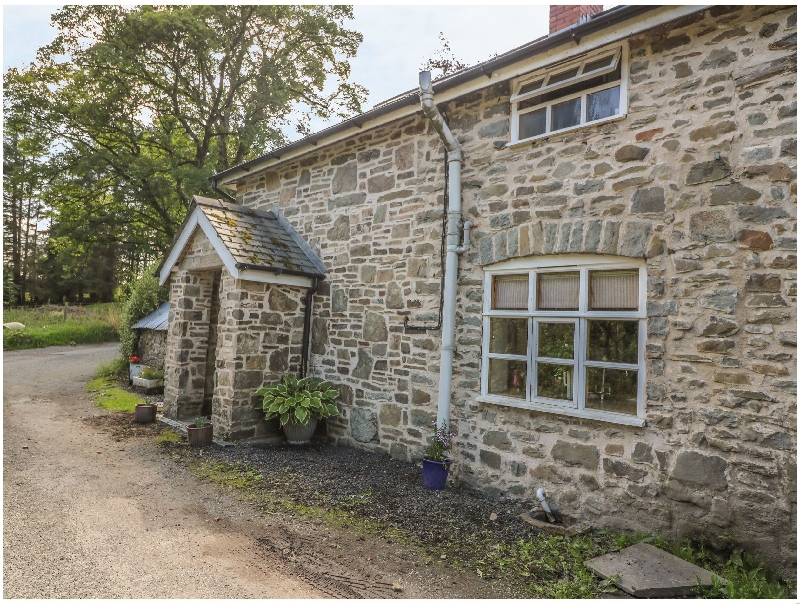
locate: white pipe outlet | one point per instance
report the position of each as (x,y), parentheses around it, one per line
(453,247)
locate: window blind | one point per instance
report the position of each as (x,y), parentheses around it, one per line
(558,291)
(613,290)
(510,292)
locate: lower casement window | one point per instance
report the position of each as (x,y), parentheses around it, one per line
(566,335)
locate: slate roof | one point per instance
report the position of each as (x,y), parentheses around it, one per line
(156,320)
(260,240)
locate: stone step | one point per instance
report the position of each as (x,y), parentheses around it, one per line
(644,571)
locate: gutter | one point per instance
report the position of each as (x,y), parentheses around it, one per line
(276,270)
(453,247)
(604,20)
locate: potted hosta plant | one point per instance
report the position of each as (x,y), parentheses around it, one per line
(145,412)
(436,460)
(200,432)
(298,403)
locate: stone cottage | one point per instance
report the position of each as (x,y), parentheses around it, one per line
(623,331)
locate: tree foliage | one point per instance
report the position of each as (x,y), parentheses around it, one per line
(144,104)
(146,296)
(444,61)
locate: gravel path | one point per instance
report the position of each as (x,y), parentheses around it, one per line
(85,516)
(94,508)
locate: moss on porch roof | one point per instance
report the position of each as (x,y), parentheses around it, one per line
(259,240)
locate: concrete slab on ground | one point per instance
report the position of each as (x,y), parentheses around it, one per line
(645,571)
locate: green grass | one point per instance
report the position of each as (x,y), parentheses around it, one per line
(87,325)
(116,369)
(106,395)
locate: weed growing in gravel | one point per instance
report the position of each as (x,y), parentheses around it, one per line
(168,436)
(106,395)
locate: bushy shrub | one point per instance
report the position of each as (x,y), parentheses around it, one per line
(146,296)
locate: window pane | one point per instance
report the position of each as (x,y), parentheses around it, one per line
(557,291)
(533,123)
(614,290)
(598,64)
(566,114)
(570,89)
(507,378)
(508,336)
(613,341)
(564,75)
(530,86)
(611,389)
(554,381)
(510,292)
(557,340)
(602,104)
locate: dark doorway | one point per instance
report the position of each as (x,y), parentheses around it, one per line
(211,354)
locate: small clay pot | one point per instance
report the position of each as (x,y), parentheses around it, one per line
(200,437)
(144,414)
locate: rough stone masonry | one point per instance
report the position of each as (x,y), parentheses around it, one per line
(699,178)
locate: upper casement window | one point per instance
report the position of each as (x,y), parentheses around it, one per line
(586,91)
(566,335)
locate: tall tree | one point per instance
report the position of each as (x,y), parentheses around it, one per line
(157,99)
(27,172)
(141,105)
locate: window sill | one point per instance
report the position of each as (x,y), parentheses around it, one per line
(602,416)
(533,139)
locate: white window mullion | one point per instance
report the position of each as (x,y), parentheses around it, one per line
(580,370)
(533,346)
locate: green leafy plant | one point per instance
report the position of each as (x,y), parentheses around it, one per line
(438,448)
(296,400)
(148,373)
(146,296)
(200,422)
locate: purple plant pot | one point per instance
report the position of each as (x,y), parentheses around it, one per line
(434,474)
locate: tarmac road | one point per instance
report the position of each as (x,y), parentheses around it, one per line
(87,517)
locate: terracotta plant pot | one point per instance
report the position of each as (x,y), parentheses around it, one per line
(144,414)
(298,434)
(200,437)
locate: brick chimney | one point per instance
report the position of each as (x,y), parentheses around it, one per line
(566,15)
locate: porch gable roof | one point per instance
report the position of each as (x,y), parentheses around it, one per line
(253,245)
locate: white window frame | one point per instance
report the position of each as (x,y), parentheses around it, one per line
(620,51)
(582,263)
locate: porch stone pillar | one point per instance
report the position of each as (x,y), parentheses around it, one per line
(187,344)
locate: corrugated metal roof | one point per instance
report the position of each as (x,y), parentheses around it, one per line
(156,320)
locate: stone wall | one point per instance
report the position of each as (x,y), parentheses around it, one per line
(699,178)
(152,347)
(259,338)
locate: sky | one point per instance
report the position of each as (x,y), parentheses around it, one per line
(397,39)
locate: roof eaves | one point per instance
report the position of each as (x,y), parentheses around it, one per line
(599,22)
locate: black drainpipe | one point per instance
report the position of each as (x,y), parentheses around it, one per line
(214,186)
(307,327)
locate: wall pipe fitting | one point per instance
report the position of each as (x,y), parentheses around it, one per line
(453,247)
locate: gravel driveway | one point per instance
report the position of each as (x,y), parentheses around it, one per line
(87,517)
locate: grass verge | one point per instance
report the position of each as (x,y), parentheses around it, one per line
(545,567)
(108,396)
(83,325)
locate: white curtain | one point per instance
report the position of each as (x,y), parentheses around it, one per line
(613,290)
